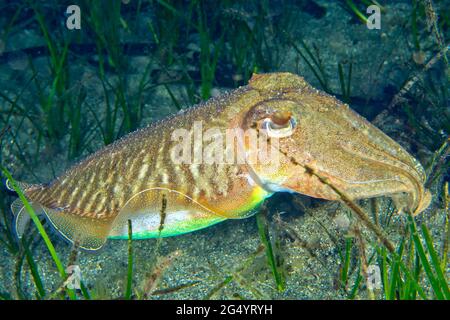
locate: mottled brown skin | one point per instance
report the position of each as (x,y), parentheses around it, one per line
(354,155)
(357,157)
(100,185)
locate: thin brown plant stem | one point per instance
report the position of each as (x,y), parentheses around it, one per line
(153,279)
(355,208)
(362,215)
(375,209)
(438,160)
(399,97)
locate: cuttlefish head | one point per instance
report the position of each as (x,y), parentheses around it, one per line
(306,128)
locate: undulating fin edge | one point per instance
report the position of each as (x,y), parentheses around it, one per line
(22,185)
(21,217)
(90,236)
(89,233)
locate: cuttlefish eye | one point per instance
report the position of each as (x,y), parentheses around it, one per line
(279,125)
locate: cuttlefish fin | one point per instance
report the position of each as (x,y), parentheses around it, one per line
(87,232)
(21,216)
(21,185)
(163,212)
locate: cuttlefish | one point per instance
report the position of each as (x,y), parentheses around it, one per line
(136,178)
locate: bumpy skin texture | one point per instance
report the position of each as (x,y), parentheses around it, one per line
(96,197)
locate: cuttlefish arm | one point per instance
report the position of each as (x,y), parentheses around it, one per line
(342,146)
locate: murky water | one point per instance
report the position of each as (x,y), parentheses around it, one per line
(73,80)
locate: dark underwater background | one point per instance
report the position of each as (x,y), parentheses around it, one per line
(66,93)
